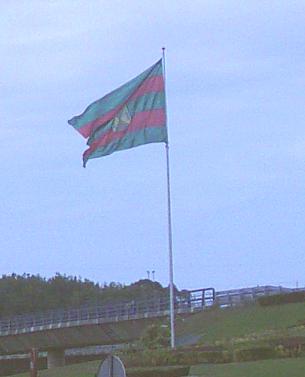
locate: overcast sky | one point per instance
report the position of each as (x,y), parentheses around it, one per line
(235,90)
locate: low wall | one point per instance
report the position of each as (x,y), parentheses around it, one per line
(21,365)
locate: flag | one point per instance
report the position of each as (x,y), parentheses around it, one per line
(132,115)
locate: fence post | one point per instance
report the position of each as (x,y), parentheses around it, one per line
(33,362)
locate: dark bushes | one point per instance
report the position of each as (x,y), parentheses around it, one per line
(253,354)
(283,298)
(159,372)
(162,357)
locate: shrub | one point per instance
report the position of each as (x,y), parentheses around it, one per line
(283,298)
(159,372)
(165,356)
(253,354)
(156,335)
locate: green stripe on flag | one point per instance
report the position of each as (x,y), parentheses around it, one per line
(131,140)
(149,101)
(114,98)
(132,115)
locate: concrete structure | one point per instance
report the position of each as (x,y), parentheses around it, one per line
(56,338)
(56,358)
(56,331)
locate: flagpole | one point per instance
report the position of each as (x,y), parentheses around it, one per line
(170,238)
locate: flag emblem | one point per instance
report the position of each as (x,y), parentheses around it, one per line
(133,114)
(122,120)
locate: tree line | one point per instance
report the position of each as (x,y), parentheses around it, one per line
(21,294)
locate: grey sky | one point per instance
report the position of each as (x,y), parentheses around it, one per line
(235,88)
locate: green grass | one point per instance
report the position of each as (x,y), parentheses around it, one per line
(265,368)
(222,324)
(88,369)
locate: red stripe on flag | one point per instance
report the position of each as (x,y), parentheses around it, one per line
(145,119)
(152,84)
(90,127)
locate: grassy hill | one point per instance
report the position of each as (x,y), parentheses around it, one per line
(253,320)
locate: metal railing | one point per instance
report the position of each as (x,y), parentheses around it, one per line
(100,313)
(189,301)
(241,296)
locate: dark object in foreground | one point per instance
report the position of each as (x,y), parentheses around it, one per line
(112,366)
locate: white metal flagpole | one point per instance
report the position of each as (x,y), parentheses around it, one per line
(170,239)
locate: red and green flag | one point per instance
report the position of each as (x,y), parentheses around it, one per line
(132,115)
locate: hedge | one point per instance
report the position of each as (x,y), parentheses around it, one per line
(159,372)
(282,298)
(254,354)
(164,357)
